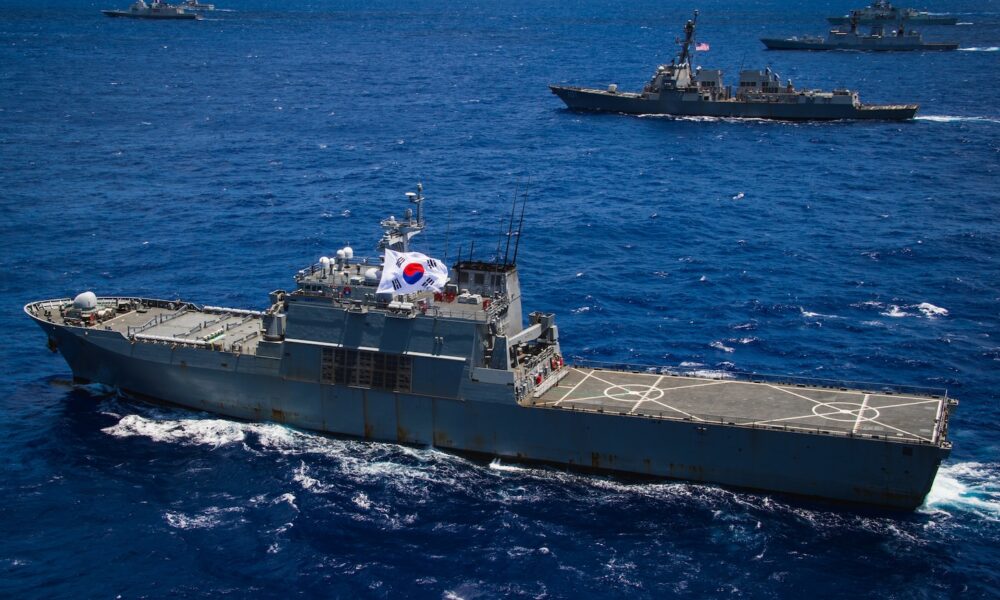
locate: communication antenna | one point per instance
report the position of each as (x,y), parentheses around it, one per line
(510,225)
(496,255)
(447,231)
(520,224)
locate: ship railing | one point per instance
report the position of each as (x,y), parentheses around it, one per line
(524,384)
(157,320)
(751,377)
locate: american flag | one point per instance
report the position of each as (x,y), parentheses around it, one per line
(701,47)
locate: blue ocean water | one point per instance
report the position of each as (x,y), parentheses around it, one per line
(210,160)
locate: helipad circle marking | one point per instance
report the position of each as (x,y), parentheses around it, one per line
(633,392)
(845,412)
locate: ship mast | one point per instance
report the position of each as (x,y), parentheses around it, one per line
(685,56)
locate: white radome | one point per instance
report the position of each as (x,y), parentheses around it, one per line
(85,301)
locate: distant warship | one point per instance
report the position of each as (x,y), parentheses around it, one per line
(898,39)
(882,12)
(401,348)
(676,89)
(195,5)
(154,10)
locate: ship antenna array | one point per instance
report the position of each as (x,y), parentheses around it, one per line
(510,224)
(447,233)
(520,224)
(685,56)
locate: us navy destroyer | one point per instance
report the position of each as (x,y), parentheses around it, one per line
(453,365)
(678,89)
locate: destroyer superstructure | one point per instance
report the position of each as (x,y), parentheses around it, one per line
(154,10)
(881,12)
(679,89)
(461,370)
(896,39)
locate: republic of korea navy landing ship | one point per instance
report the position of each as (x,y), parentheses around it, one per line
(459,369)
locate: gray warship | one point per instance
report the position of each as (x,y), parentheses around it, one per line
(679,90)
(196,5)
(881,12)
(460,370)
(154,10)
(878,40)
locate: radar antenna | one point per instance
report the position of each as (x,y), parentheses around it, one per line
(685,56)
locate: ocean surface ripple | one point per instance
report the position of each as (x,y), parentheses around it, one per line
(210,160)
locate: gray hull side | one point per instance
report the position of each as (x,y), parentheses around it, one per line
(589,100)
(168,17)
(783,44)
(918,20)
(252,388)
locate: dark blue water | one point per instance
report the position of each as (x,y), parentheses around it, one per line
(211,160)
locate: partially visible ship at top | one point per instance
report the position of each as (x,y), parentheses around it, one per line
(195,5)
(882,12)
(898,38)
(153,10)
(680,90)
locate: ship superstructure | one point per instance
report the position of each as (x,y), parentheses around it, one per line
(882,12)
(153,10)
(897,38)
(680,89)
(461,369)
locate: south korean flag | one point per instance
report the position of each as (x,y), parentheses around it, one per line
(408,272)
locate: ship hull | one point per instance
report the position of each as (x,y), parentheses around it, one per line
(484,419)
(918,20)
(786,44)
(168,17)
(583,99)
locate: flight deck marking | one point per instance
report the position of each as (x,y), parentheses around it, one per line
(689,415)
(794,394)
(905,404)
(864,403)
(573,389)
(645,396)
(903,431)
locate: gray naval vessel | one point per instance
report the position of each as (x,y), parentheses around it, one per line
(678,89)
(881,12)
(155,10)
(878,40)
(460,370)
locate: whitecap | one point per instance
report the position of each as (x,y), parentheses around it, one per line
(709,374)
(970,486)
(956,119)
(721,346)
(496,465)
(199,432)
(977,49)
(930,311)
(895,312)
(207,519)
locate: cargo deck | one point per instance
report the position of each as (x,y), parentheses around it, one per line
(905,417)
